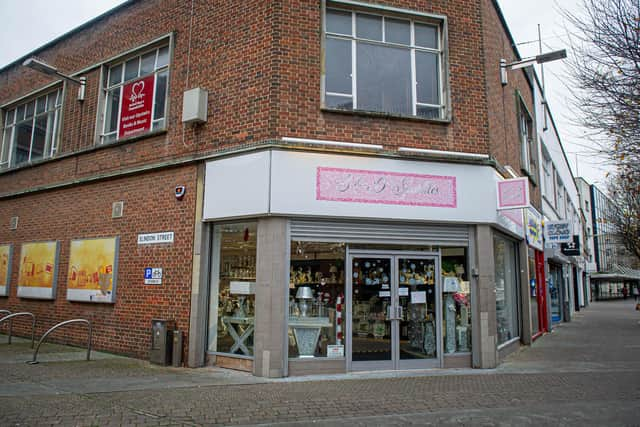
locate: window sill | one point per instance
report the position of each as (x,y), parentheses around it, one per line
(84,151)
(375,114)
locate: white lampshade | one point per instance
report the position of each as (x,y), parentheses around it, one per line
(304,292)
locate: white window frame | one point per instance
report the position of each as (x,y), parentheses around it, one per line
(527,141)
(156,124)
(8,130)
(438,22)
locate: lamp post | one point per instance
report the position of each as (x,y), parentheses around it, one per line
(43,67)
(539,59)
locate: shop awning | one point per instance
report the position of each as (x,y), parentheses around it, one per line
(618,272)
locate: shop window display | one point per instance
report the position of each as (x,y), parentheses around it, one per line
(233,292)
(535,321)
(456,301)
(316,300)
(506,290)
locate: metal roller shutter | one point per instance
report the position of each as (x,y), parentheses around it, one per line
(379,233)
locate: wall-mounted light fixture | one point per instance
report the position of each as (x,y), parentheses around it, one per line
(539,59)
(50,70)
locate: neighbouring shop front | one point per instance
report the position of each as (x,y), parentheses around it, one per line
(317,267)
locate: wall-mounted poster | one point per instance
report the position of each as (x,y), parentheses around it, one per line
(38,272)
(93,269)
(5,268)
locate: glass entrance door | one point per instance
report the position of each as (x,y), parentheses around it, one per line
(418,311)
(371,308)
(393,321)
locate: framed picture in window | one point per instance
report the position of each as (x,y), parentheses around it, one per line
(6,252)
(93,270)
(38,272)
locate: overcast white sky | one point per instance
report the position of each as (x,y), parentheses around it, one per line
(46,19)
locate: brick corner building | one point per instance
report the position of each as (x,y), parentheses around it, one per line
(327,169)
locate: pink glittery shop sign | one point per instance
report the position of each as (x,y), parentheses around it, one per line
(391,188)
(513,193)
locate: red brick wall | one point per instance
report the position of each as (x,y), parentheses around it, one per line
(84,211)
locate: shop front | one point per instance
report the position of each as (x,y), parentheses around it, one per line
(367,264)
(537,282)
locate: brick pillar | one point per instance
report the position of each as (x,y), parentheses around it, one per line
(483,315)
(272,289)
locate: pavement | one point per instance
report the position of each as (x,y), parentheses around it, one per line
(586,372)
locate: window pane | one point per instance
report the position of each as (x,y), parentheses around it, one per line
(131,68)
(161,95)
(397,31)
(148,63)
(111,113)
(427,78)
(51,101)
(426,36)
(30,109)
(39,137)
(6,143)
(339,21)
(316,269)
(369,27)
(384,79)
(341,102)
(338,65)
(23,142)
(428,112)
(115,75)
(51,146)
(163,57)
(506,290)
(232,310)
(41,103)
(20,113)
(10,116)
(59,97)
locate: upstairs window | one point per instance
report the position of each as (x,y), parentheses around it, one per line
(135,95)
(528,154)
(30,130)
(383,64)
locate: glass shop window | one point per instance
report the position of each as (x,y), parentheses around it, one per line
(232,305)
(316,300)
(456,301)
(506,289)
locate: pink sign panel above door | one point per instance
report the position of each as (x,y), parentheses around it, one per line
(391,188)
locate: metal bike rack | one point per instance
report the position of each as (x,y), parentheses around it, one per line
(25,313)
(66,322)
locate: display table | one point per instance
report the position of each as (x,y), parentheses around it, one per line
(307,331)
(240,329)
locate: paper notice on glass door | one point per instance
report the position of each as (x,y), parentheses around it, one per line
(418,297)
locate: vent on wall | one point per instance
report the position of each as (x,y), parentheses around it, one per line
(117,209)
(13,224)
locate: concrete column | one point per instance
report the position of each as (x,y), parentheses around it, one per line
(199,281)
(272,289)
(483,314)
(525,295)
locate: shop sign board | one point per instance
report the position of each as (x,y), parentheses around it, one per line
(155,238)
(558,231)
(383,187)
(513,193)
(534,229)
(152,276)
(572,248)
(136,107)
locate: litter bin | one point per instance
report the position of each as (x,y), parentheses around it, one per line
(176,358)
(161,341)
